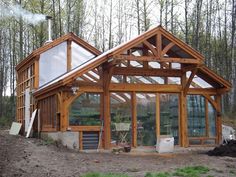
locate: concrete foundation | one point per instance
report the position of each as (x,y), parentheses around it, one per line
(68,139)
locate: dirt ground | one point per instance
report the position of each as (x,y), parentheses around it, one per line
(32,158)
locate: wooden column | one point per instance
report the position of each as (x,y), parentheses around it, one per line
(158,113)
(63,113)
(69,55)
(36,72)
(218,120)
(134,120)
(207,119)
(106,110)
(183,114)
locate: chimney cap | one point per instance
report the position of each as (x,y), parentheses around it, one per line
(48,17)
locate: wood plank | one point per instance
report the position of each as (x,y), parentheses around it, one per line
(132,71)
(145,88)
(134,119)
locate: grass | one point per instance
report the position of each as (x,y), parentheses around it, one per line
(194,171)
(104,175)
(161,174)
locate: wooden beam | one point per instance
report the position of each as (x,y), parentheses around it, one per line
(132,71)
(186,86)
(69,64)
(197,91)
(151,47)
(167,48)
(134,119)
(158,44)
(154,58)
(213,103)
(114,87)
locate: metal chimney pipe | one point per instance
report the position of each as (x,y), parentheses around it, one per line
(49,19)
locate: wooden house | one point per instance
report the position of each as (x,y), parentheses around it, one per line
(152,85)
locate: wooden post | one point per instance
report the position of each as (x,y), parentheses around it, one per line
(106,110)
(158,113)
(134,120)
(36,72)
(183,114)
(207,118)
(68,55)
(218,120)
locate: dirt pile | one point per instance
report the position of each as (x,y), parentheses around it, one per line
(228,149)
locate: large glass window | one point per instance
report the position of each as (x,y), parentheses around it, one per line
(121,118)
(196,116)
(85,110)
(146,119)
(52,63)
(169,122)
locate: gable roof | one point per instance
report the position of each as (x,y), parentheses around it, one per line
(70,36)
(95,62)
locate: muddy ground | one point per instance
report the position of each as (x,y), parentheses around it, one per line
(33,158)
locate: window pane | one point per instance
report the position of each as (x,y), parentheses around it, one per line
(196,116)
(85,110)
(120,118)
(146,119)
(169,122)
(212,121)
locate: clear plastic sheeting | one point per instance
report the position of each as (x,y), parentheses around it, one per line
(52,63)
(79,55)
(199,81)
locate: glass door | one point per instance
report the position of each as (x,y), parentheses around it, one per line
(146,119)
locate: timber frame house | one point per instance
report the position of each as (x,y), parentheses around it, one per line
(155,83)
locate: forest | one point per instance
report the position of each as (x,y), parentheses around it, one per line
(206,25)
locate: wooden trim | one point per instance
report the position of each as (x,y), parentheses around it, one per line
(134,119)
(145,88)
(69,64)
